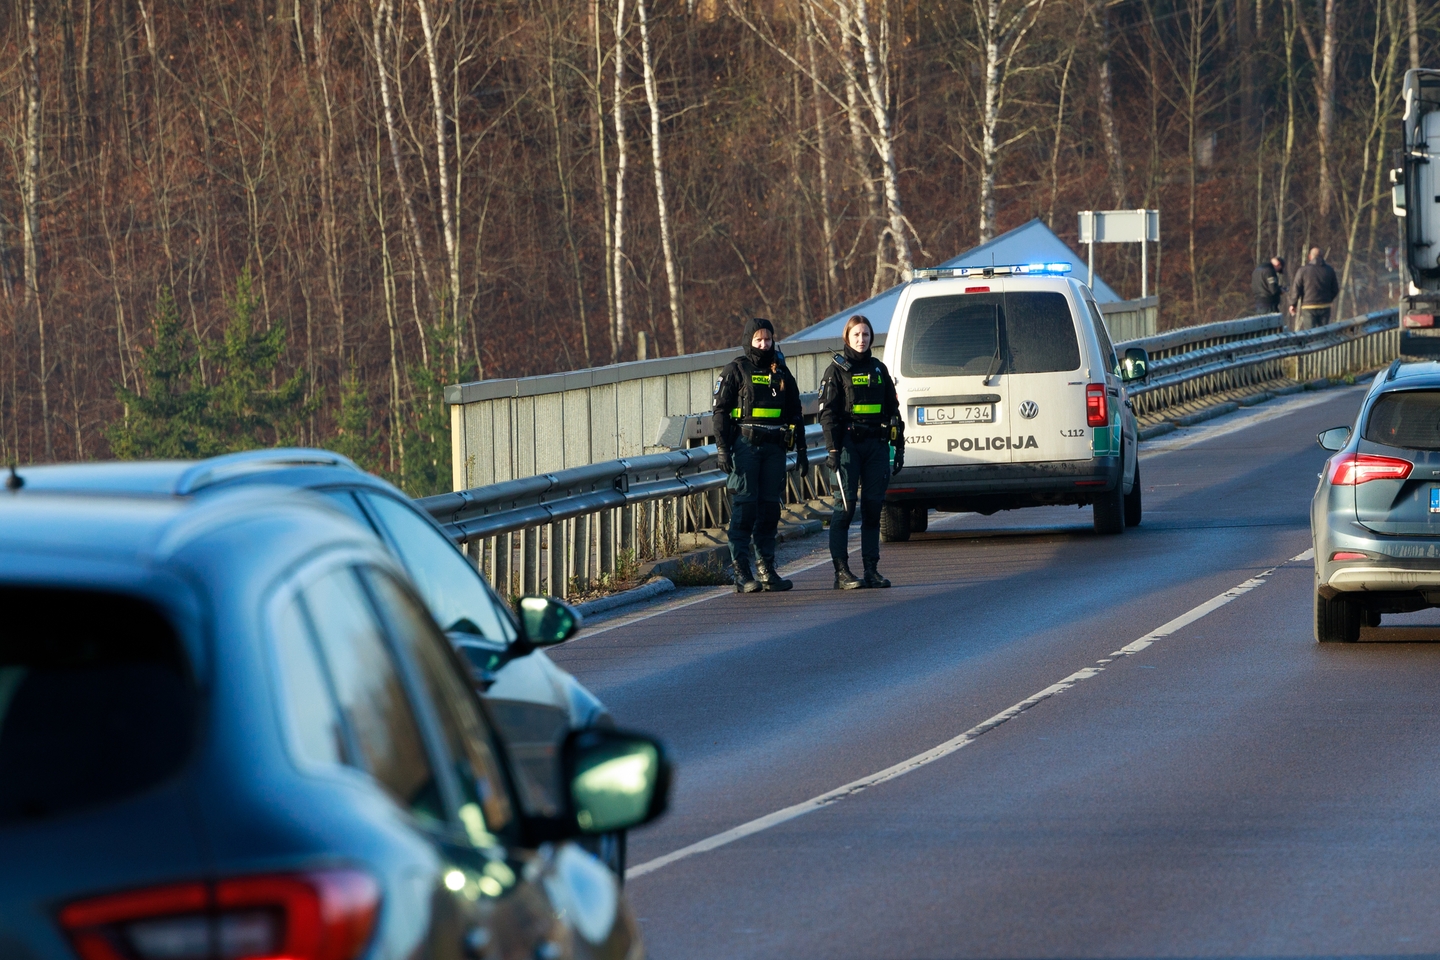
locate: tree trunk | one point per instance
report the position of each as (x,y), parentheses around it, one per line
(442,159)
(822,149)
(877,78)
(32,300)
(617,336)
(652,96)
(1108,128)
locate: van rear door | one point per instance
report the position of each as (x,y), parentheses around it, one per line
(951,371)
(1046,376)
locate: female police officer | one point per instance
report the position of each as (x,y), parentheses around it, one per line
(757,416)
(860,415)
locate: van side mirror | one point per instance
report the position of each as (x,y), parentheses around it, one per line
(1134,365)
(544,622)
(1333,439)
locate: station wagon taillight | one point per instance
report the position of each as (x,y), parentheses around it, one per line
(1097,410)
(326,915)
(1352,469)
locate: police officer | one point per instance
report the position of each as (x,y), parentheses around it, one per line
(757,418)
(861,418)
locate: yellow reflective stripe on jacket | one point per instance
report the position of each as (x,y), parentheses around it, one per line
(764,413)
(863,408)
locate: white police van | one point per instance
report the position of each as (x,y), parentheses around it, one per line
(1012,396)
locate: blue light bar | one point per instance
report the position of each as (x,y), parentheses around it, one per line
(1005,270)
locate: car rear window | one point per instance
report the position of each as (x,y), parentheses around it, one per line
(96,700)
(1409,419)
(978,333)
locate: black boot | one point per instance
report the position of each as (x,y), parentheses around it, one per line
(844,579)
(744,580)
(872,576)
(769,579)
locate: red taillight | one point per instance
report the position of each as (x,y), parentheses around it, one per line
(1097,410)
(311,916)
(977,289)
(1418,320)
(1348,555)
(1352,469)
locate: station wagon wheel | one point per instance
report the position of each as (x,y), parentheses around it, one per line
(919,519)
(1337,620)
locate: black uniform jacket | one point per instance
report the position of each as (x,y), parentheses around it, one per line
(1315,285)
(749,393)
(864,394)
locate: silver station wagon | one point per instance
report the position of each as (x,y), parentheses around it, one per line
(1375,518)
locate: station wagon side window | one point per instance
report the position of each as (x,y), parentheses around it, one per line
(456,594)
(371,695)
(484,802)
(313,720)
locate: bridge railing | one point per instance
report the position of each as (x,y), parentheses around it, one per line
(562,531)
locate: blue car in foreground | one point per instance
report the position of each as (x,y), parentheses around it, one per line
(231,730)
(534,702)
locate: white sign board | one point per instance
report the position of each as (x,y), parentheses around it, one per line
(1119,226)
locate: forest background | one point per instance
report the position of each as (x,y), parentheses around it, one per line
(294,221)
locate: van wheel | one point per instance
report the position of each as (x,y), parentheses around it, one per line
(1110,511)
(894,523)
(919,519)
(1132,501)
(1338,620)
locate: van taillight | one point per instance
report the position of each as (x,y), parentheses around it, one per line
(1352,469)
(326,915)
(1097,410)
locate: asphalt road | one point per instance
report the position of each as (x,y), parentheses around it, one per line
(1221,786)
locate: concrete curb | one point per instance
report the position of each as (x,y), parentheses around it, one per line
(1157,430)
(645,591)
(1209,413)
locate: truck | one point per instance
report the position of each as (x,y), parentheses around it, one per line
(1416,200)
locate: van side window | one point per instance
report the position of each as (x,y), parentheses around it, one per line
(1103,333)
(372,698)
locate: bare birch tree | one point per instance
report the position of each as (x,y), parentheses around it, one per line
(617,334)
(652,97)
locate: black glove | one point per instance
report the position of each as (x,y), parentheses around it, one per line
(833,461)
(722,460)
(899,460)
(802,458)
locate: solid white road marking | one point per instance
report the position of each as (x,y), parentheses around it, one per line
(956,743)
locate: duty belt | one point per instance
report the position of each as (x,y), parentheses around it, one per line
(759,433)
(867,431)
(762,413)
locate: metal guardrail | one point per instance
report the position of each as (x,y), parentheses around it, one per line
(558,532)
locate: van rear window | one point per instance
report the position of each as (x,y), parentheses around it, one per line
(96,700)
(1409,419)
(987,333)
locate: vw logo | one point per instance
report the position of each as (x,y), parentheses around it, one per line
(1029,409)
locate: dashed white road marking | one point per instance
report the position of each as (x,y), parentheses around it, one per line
(964,739)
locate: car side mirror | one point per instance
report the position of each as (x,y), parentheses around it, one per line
(616,780)
(1333,439)
(546,621)
(1134,365)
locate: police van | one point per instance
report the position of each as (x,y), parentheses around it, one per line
(1012,395)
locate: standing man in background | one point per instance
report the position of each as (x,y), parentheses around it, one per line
(758,417)
(1315,291)
(1265,284)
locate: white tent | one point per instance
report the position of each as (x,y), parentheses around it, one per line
(1030,243)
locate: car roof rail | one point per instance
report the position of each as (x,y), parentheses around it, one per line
(215,469)
(1394,369)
